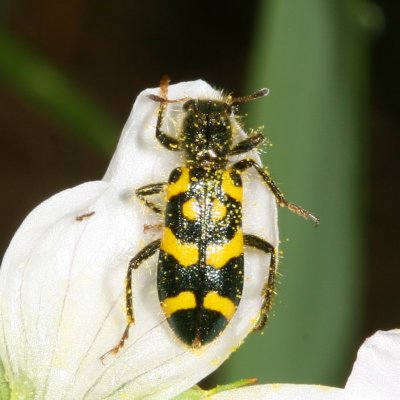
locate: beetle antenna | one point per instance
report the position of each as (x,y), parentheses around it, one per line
(160,99)
(164,83)
(244,99)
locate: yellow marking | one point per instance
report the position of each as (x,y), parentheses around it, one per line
(185,253)
(190,209)
(228,186)
(218,255)
(218,211)
(180,186)
(213,301)
(183,301)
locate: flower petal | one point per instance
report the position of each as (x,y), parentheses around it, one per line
(138,140)
(52,287)
(62,280)
(282,392)
(376,372)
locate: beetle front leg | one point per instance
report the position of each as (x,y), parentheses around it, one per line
(268,289)
(143,255)
(246,163)
(167,141)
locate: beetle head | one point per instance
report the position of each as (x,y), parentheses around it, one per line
(207,131)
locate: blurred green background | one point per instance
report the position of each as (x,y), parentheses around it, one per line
(70,71)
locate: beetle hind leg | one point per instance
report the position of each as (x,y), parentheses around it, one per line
(268,290)
(143,255)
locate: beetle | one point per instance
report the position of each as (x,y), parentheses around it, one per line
(200,268)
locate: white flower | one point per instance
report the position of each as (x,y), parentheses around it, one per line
(375,376)
(62,301)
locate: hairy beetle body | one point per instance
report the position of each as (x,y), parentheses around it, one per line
(200,267)
(200,271)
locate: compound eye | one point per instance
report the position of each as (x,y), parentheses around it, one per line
(188,106)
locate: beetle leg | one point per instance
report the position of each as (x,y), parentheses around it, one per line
(167,141)
(149,190)
(247,144)
(143,255)
(84,216)
(152,227)
(268,289)
(246,163)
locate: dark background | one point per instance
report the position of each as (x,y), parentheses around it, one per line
(113,50)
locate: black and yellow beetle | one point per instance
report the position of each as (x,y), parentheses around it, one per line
(201,250)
